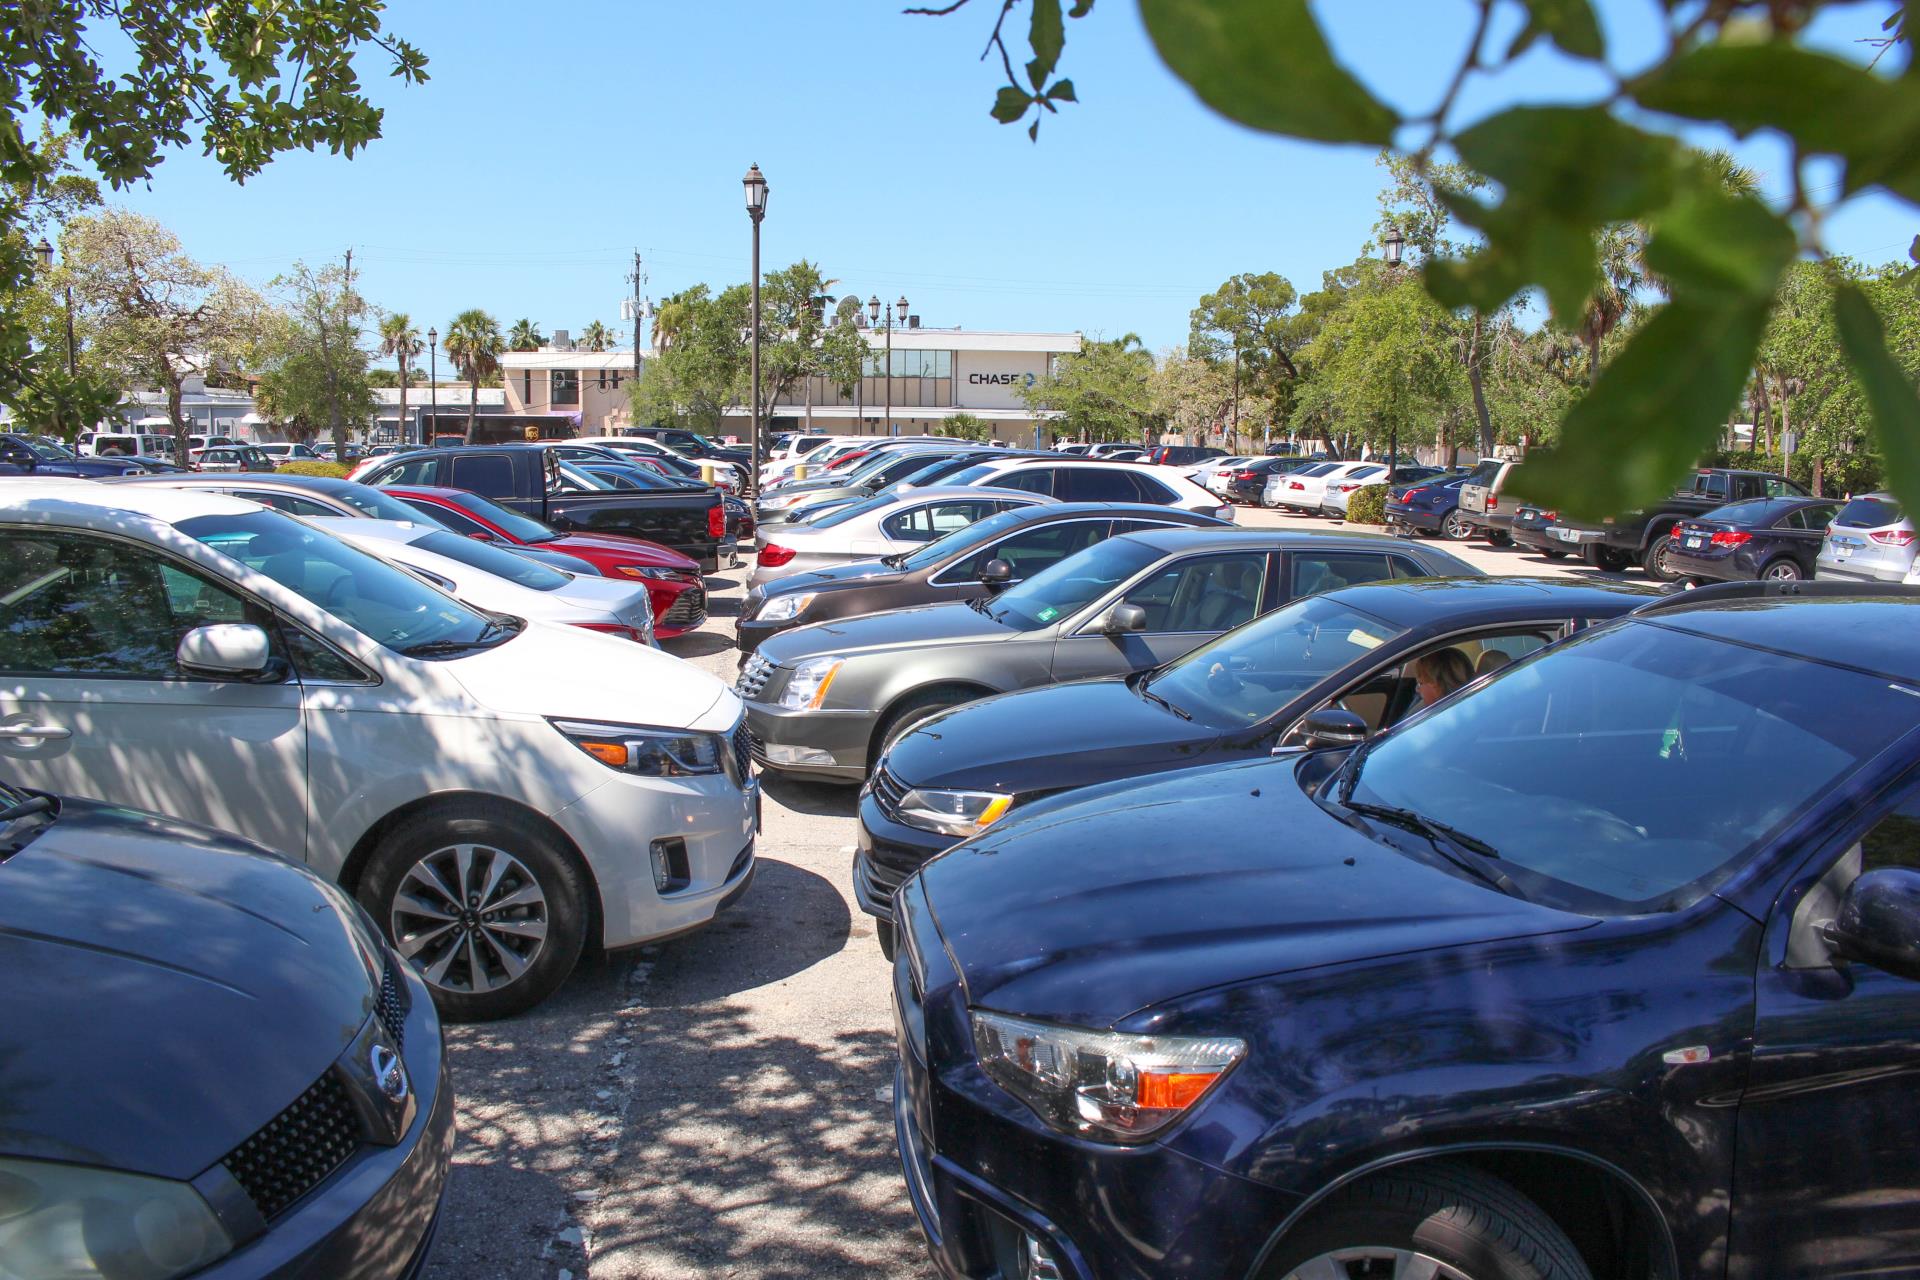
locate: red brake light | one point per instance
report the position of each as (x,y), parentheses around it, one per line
(1549,515)
(1245,475)
(613,629)
(1409,494)
(1893,537)
(717,520)
(1731,538)
(1493,502)
(773,555)
(1295,484)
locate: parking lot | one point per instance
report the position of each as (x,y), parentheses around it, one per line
(718,1104)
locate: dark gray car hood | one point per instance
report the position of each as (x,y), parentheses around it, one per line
(924,627)
(168,990)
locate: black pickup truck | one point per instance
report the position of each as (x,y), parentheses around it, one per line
(1642,536)
(534,481)
(691,444)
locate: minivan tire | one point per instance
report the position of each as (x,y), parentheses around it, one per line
(1474,1224)
(558,901)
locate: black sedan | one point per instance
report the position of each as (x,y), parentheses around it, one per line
(1247,482)
(1769,538)
(211,1062)
(1238,697)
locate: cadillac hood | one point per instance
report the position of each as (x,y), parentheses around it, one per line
(552,670)
(922,627)
(1129,896)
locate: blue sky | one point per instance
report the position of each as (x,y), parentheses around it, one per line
(553,140)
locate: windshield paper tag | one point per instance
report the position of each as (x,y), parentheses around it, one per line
(1361,640)
(1048,614)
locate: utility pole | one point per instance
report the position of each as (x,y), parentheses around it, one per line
(638,279)
(334,425)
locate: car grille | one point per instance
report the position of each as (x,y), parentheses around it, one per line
(742,744)
(754,676)
(880,880)
(888,790)
(298,1149)
(392,1007)
(690,610)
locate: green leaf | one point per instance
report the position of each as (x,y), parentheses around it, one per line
(1578,162)
(1890,393)
(1710,243)
(1010,104)
(1081,9)
(1656,408)
(1524,247)
(1062,91)
(1047,34)
(1823,101)
(1266,64)
(1568,23)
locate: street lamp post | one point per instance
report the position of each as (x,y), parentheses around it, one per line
(756,192)
(1392,245)
(433,384)
(44,251)
(873,309)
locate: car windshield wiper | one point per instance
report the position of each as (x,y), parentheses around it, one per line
(495,632)
(1142,689)
(1469,853)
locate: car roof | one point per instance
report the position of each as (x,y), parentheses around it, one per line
(80,497)
(258,479)
(384,530)
(1878,630)
(1414,602)
(935,491)
(1235,538)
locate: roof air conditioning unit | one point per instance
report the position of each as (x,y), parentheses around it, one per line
(913,322)
(562,340)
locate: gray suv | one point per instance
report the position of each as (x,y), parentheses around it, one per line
(824,700)
(1870,540)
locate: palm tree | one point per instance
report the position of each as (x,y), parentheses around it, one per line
(596,336)
(399,339)
(474,345)
(525,336)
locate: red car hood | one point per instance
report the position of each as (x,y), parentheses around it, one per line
(638,548)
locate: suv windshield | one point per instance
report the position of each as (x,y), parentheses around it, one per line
(500,563)
(1072,584)
(388,606)
(1241,678)
(1869,512)
(1635,767)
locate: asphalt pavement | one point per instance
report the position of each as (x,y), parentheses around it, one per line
(716,1105)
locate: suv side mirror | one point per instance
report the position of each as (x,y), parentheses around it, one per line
(226,651)
(995,574)
(1125,619)
(1330,727)
(1879,922)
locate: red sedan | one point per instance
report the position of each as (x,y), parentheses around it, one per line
(674,584)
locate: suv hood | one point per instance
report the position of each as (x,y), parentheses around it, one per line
(554,670)
(923,627)
(1130,895)
(1048,739)
(169,990)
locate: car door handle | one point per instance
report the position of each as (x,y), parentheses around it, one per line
(20,731)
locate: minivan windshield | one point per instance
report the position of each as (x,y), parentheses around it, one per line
(1247,674)
(500,563)
(1633,768)
(388,606)
(1064,589)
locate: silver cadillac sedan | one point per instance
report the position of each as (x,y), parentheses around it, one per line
(883,525)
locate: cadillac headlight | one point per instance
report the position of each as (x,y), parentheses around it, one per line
(785,608)
(650,753)
(953,813)
(1100,1084)
(783,501)
(70,1220)
(807,688)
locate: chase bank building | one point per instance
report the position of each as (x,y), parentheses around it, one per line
(935,374)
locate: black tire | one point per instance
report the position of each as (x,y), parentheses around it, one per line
(1654,559)
(556,876)
(883,931)
(1606,559)
(1781,569)
(909,712)
(1553,553)
(1499,538)
(1477,1225)
(1454,526)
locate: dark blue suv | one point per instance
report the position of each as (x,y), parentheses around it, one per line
(1606,967)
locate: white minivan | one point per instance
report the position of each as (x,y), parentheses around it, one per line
(496,792)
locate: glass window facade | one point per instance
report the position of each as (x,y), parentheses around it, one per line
(566,386)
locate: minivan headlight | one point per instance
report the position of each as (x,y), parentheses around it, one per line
(1101,1084)
(808,686)
(786,608)
(953,813)
(650,753)
(70,1220)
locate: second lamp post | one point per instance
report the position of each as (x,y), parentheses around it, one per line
(756,189)
(873,310)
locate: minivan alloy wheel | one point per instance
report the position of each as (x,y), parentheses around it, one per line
(470,917)
(1375,1263)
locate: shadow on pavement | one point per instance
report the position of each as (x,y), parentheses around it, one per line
(789,921)
(821,799)
(698,645)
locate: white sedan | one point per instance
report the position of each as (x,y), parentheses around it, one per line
(1302,490)
(502,581)
(882,525)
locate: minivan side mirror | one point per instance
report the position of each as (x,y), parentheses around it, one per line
(1879,922)
(226,651)
(995,574)
(1125,619)
(1330,727)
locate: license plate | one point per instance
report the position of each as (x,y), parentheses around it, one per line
(1694,544)
(1843,553)
(1565,535)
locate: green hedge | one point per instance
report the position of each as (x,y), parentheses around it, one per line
(1368,505)
(332,469)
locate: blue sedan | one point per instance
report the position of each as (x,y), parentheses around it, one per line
(1432,506)
(1769,538)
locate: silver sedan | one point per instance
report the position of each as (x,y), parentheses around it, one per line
(881,526)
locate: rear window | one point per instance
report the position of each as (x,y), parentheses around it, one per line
(490,474)
(1868,513)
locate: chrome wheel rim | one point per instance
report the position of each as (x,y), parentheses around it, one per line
(470,917)
(1375,1263)
(1455,527)
(1783,572)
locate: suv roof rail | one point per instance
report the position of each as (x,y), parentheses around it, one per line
(1723,592)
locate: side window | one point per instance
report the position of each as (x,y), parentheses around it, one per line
(1314,572)
(287,502)
(1032,480)
(1813,519)
(936,519)
(1032,550)
(487,474)
(1405,568)
(1099,484)
(77,606)
(1894,840)
(410,471)
(314,659)
(1207,593)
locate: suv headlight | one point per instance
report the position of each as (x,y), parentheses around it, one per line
(784,608)
(1101,1084)
(70,1220)
(650,753)
(953,813)
(807,688)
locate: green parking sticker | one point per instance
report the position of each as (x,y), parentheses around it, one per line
(1049,613)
